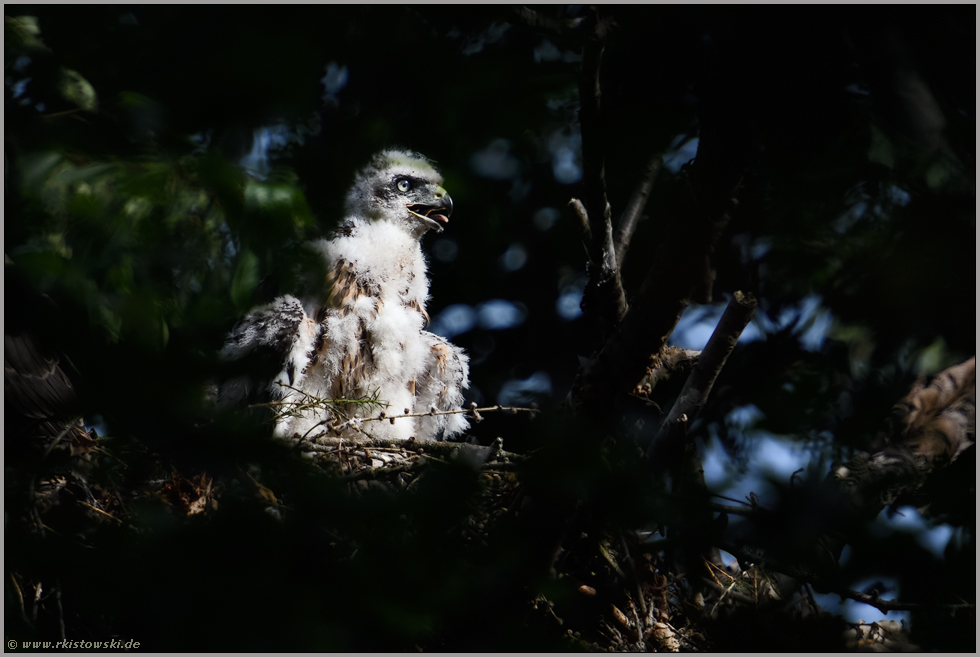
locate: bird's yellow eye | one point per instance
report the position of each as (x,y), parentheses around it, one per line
(403,185)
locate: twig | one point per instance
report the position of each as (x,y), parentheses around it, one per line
(722,597)
(747,555)
(470,411)
(634,208)
(309,402)
(329,404)
(734,510)
(894,605)
(801,574)
(37,599)
(98,510)
(719,569)
(375,473)
(32,491)
(63,113)
(64,432)
(20,596)
(61,612)
(731,499)
(811,599)
(503,459)
(634,577)
(734,595)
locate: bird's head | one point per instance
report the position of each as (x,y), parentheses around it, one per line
(401,187)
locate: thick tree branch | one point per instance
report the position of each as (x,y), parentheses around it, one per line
(698,386)
(593,164)
(672,447)
(604,292)
(681,268)
(678,271)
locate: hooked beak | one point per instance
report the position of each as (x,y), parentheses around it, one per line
(434,215)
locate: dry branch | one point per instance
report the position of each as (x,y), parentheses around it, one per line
(671,446)
(604,292)
(583,217)
(634,208)
(698,386)
(677,271)
(893,605)
(681,268)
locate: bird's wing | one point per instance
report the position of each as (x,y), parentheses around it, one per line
(441,386)
(34,383)
(39,382)
(278,337)
(40,397)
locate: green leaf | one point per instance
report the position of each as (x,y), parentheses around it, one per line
(76,89)
(22,33)
(277,207)
(881,150)
(245,280)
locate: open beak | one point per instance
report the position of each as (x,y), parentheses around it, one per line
(434,215)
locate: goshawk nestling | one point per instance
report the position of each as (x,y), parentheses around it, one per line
(364,337)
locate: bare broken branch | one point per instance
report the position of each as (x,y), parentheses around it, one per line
(698,386)
(583,217)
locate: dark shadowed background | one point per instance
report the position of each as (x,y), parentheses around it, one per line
(164,164)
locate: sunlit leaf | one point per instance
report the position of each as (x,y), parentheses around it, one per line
(77,90)
(245,279)
(22,33)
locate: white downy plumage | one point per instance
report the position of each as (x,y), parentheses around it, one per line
(366,336)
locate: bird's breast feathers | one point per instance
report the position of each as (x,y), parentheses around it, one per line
(377,259)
